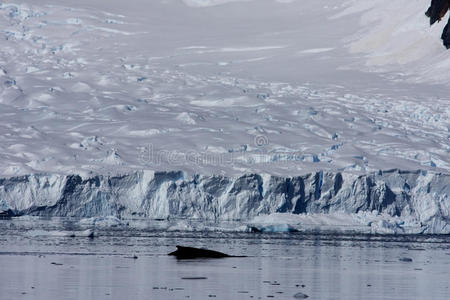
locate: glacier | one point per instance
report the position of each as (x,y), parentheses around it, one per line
(256,117)
(421,196)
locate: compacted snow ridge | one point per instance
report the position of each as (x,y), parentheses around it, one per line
(205,91)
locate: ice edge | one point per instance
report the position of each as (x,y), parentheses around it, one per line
(422,196)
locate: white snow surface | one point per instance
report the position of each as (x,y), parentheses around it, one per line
(221,87)
(395,38)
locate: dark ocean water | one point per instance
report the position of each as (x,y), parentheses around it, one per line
(39,260)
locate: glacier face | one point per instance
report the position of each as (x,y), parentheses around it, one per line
(420,195)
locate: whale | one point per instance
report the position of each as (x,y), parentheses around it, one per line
(191,253)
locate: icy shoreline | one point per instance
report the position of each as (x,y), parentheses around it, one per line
(391,200)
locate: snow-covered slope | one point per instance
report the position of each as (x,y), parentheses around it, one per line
(395,37)
(207,87)
(420,197)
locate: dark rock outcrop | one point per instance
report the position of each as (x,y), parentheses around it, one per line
(438,9)
(446,35)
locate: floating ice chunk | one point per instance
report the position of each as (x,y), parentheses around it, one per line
(109,221)
(57,233)
(386,226)
(85,233)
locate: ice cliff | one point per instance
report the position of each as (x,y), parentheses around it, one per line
(421,195)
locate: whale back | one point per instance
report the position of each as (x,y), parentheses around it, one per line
(191,253)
